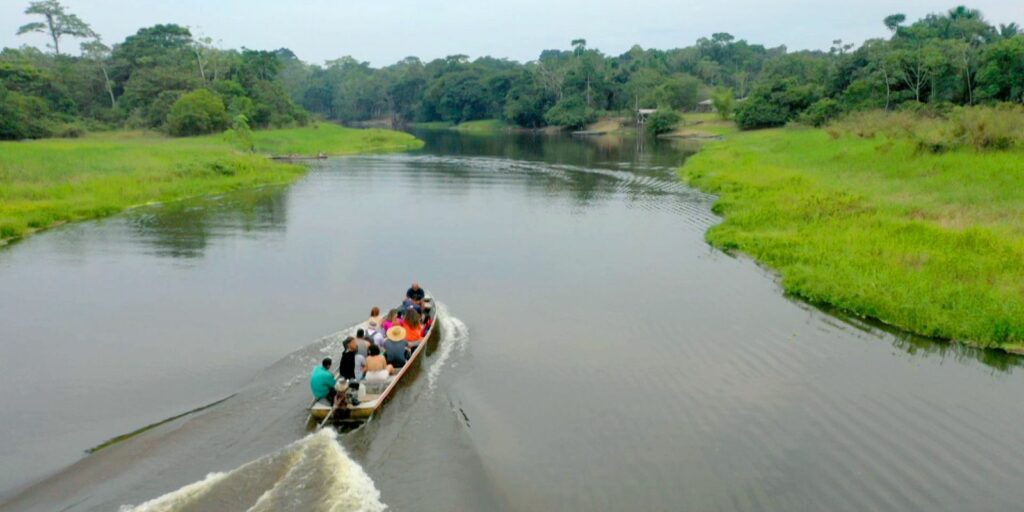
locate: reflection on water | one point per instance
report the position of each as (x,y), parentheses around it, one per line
(616,151)
(182,229)
(599,355)
(926,347)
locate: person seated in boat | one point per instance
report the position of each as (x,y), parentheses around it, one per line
(396,349)
(377,367)
(363,342)
(415,295)
(413,327)
(374,322)
(321,381)
(427,317)
(351,365)
(390,320)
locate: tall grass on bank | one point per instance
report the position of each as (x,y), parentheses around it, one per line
(333,140)
(482,126)
(929,242)
(984,128)
(49,181)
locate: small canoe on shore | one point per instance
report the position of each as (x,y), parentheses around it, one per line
(378,393)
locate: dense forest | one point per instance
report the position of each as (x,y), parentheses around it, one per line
(166,78)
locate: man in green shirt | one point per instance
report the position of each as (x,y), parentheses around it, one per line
(321,381)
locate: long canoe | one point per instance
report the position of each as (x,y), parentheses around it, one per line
(369,404)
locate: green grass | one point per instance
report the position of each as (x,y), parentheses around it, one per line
(481,126)
(51,181)
(433,125)
(332,140)
(931,243)
(703,125)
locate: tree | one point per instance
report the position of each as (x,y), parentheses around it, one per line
(1001,76)
(893,22)
(916,63)
(1009,30)
(723,101)
(776,102)
(198,112)
(22,116)
(201,47)
(678,92)
(527,101)
(579,46)
(571,112)
(98,52)
(58,23)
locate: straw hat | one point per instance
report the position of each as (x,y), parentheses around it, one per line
(396,333)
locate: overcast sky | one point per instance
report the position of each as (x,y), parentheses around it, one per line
(384,31)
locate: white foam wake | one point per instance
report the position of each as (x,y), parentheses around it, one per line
(313,473)
(456,336)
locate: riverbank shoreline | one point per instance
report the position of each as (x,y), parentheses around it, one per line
(926,243)
(50,182)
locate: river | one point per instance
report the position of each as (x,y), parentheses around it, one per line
(596,353)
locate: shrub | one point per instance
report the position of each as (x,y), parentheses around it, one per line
(988,127)
(936,130)
(662,121)
(776,102)
(155,114)
(760,113)
(821,112)
(240,134)
(571,112)
(724,102)
(198,112)
(21,116)
(71,130)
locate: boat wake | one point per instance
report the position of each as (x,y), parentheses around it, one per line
(313,473)
(456,336)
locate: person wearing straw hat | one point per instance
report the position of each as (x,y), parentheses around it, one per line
(396,349)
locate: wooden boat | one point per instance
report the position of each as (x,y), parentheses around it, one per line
(371,402)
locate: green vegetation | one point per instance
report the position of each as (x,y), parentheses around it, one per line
(703,126)
(482,126)
(724,102)
(862,218)
(50,181)
(160,78)
(154,80)
(433,125)
(953,58)
(197,113)
(332,139)
(663,121)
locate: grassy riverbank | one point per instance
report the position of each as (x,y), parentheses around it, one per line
(479,127)
(50,181)
(932,243)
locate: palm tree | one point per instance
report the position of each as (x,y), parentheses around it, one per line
(961,12)
(1010,30)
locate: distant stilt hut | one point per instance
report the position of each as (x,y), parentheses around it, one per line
(642,114)
(706,106)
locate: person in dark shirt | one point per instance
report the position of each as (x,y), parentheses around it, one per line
(349,367)
(415,294)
